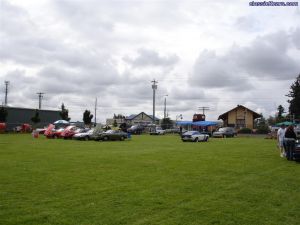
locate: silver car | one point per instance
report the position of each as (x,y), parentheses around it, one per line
(225,132)
(195,136)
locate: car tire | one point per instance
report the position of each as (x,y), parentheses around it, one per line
(206,139)
(105,138)
(122,138)
(55,137)
(196,140)
(86,138)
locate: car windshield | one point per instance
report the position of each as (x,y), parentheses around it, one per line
(109,132)
(191,132)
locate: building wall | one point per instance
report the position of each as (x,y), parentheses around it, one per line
(19,116)
(240,114)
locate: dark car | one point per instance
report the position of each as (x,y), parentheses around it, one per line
(296,154)
(136,129)
(225,132)
(112,135)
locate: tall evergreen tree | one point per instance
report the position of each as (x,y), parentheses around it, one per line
(87,117)
(64,113)
(166,123)
(36,118)
(3,114)
(280,111)
(294,95)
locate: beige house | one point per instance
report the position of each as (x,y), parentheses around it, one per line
(239,117)
(134,119)
(141,118)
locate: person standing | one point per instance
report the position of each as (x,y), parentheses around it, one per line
(290,138)
(280,139)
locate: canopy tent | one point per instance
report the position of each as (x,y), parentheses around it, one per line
(198,123)
(286,123)
(63,122)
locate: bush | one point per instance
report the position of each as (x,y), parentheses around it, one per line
(245,131)
(263,130)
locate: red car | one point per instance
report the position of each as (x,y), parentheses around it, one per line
(69,132)
(50,132)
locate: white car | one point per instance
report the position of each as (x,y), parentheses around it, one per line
(195,136)
(158,131)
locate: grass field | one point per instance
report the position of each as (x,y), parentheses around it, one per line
(148,180)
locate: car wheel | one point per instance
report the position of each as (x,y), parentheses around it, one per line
(196,139)
(122,138)
(55,137)
(206,139)
(86,138)
(105,138)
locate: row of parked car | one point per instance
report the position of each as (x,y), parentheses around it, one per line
(73,132)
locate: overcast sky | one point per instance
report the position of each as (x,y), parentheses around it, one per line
(202,53)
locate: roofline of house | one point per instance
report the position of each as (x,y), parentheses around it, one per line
(255,115)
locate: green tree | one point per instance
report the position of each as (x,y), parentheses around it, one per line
(271,120)
(280,111)
(294,95)
(3,114)
(36,118)
(115,124)
(64,113)
(166,123)
(87,117)
(262,126)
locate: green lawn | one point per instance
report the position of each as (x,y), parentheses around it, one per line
(148,180)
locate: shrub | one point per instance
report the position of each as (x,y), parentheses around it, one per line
(245,131)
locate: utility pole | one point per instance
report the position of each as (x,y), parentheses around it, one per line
(6,91)
(165,109)
(154,87)
(96,111)
(40,94)
(203,108)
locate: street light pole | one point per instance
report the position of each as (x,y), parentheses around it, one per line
(154,88)
(165,108)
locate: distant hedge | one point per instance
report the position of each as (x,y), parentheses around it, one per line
(245,131)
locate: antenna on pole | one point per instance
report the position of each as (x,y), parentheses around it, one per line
(6,92)
(40,94)
(203,108)
(95,111)
(154,87)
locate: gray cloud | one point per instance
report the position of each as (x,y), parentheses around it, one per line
(147,57)
(267,56)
